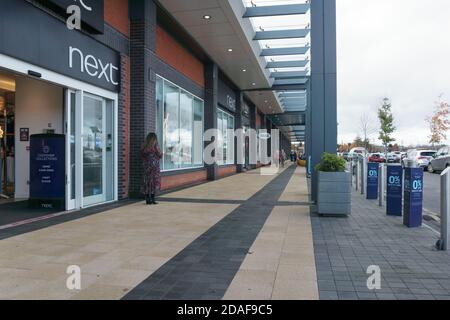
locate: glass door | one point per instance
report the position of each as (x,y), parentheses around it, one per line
(70,132)
(94,150)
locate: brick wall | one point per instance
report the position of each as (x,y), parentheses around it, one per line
(226,171)
(175,181)
(116,15)
(124,129)
(175,55)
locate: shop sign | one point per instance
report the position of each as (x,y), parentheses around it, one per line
(44,41)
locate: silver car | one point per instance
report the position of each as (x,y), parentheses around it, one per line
(421,157)
(441,160)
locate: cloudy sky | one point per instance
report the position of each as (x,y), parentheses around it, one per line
(394,48)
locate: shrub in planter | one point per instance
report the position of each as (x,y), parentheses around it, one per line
(334,186)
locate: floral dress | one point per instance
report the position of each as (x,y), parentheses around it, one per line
(152,171)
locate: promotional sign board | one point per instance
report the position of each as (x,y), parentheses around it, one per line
(372,180)
(394,190)
(47,170)
(413,197)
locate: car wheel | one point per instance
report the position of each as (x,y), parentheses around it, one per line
(430,168)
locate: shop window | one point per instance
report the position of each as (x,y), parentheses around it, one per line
(178,113)
(225,126)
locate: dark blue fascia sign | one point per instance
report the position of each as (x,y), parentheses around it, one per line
(47,171)
(45,41)
(372,180)
(413,197)
(394,190)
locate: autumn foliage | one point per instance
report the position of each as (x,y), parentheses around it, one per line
(439,122)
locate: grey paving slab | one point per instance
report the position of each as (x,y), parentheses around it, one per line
(207,266)
(346,246)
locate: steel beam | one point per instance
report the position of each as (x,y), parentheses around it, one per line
(292,94)
(284,51)
(291,81)
(289,74)
(287,64)
(288,87)
(270,11)
(323,82)
(281,34)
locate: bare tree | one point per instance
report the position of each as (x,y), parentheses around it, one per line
(367,129)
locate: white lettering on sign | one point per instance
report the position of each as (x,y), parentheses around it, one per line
(93,66)
(84,5)
(231,102)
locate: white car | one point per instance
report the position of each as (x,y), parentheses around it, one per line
(357,152)
(421,157)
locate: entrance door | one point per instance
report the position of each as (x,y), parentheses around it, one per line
(71,135)
(90,164)
(94,150)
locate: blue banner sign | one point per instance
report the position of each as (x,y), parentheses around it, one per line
(47,169)
(372,180)
(413,196)
(394,190)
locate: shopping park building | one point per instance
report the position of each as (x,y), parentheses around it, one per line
(140,66)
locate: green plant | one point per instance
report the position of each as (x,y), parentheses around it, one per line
(331,163)
(387,127)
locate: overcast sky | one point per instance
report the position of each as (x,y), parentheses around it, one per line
(394,48)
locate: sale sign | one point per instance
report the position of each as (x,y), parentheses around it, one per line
(394,190)
(372,180)
(413,204)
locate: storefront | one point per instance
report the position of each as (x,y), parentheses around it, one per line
(246,126)
(226,113)
(179,124)
(58,81)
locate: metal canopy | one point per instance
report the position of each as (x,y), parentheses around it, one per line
(288,119)
(289,74)
(291,81)
(281,34)
(270,11)
(292,94)
(287,64)
(284,43)
(289,51)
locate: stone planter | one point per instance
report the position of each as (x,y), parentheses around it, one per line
(334,195)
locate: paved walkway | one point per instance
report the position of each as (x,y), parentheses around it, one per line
(248,236)
(410,266)
(196,244)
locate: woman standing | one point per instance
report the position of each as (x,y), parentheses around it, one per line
(151,154)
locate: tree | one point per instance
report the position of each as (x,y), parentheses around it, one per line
(386,124)
(439,122)
(367,129)
(358,142)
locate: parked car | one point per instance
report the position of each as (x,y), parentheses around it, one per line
(421,157)
(377,157)
(440,161)
(392,158)
(357,152)
(398,155)
(345,156)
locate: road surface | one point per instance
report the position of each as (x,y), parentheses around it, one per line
(431,193)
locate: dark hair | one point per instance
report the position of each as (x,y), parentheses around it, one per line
(151,141)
